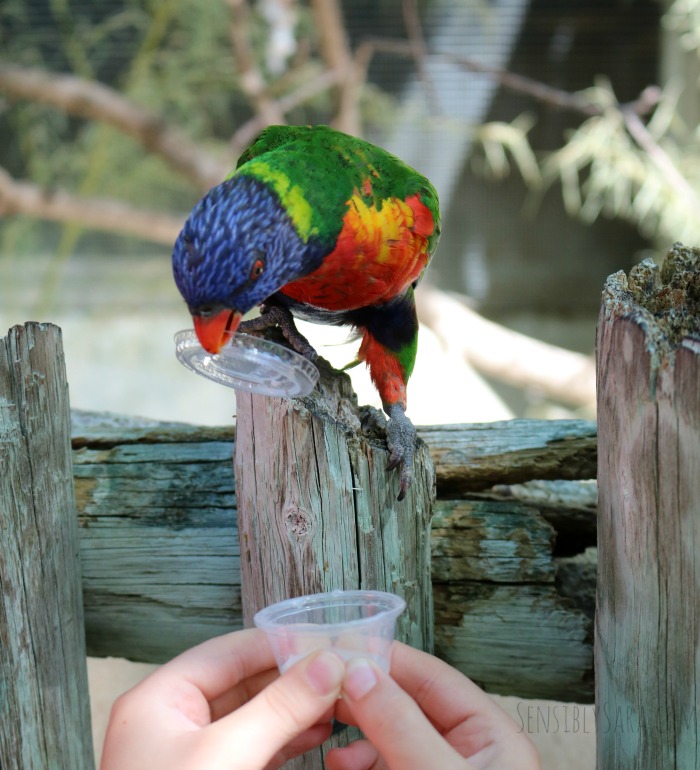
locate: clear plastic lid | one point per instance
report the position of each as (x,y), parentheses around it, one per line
(249,363)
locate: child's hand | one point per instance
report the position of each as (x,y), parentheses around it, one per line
(224,706)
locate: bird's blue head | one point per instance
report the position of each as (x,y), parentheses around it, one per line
(237,248)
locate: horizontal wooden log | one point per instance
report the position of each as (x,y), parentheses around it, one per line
(159,545)
(521,640)
(469,458)
(576,579)
(571,507)
(499,615)
(105,429)
(161,566)
(493,542)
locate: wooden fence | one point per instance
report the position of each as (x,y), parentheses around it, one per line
(161,561)
(512,540)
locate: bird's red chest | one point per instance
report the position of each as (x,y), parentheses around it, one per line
(379,252)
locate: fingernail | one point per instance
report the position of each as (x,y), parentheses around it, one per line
(325,672)
(360,678)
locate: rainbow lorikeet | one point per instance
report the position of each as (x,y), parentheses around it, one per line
(320,225)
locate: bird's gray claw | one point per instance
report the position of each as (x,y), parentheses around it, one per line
(274,315)
(304,347)
(294,337)
(394,461)
(401,440)
(405,484)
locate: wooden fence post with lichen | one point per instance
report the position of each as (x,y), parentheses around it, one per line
(44,702)
(317,510)
(647,644)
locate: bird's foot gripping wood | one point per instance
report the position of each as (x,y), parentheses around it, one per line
(401,440)
(274,315)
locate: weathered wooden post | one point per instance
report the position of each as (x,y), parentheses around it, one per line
(317,510)
(44,706)
(647,645)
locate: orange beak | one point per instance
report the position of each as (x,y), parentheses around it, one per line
(214,331)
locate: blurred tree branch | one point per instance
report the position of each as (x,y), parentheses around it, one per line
(245,134)
(96,101)
(645,141)
(18,197)
(416,40)
(251,78)
(577,101)
(93,100)
(643,171)
(337,55)
(505,355)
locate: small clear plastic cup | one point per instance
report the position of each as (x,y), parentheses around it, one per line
(351,623)
(249,363)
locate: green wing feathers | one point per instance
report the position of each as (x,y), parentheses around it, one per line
(316,170)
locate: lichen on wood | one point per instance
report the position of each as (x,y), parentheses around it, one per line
(663,301)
